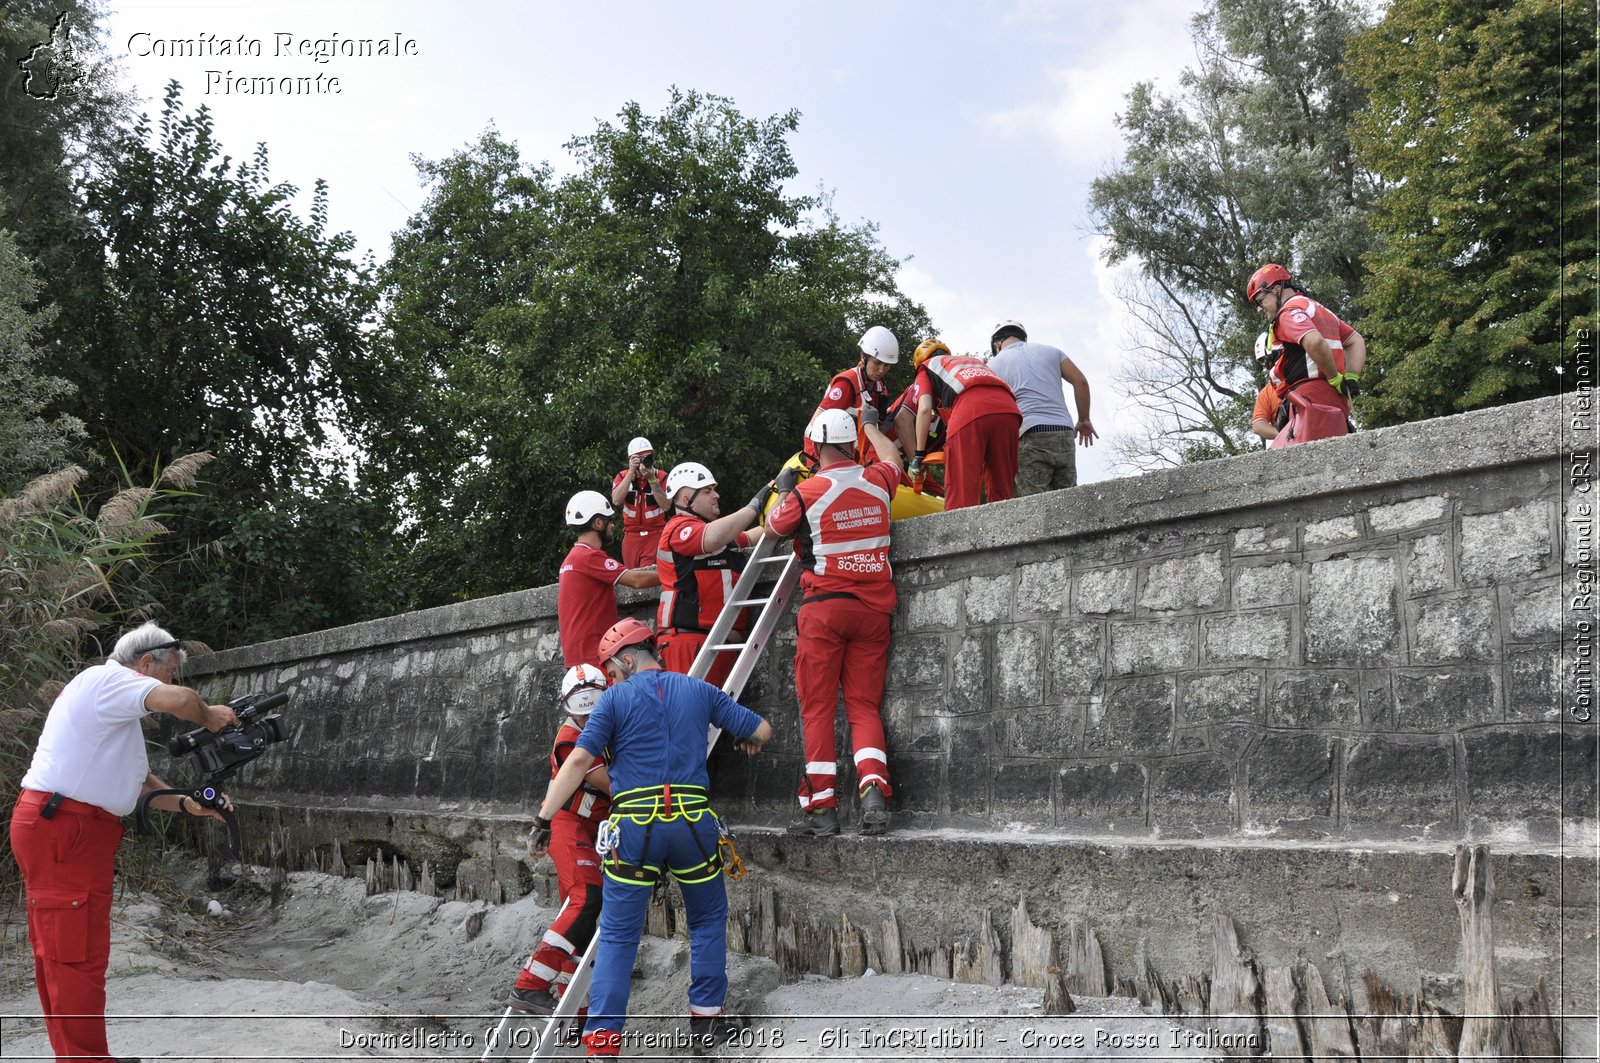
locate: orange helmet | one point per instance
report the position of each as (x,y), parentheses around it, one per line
(624,633)
(927,349)
(1265,277)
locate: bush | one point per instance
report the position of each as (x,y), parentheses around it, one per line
(64,577)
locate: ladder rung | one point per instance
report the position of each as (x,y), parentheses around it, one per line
(772,559)
(750,601)
(730,646)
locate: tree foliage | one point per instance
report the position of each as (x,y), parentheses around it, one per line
(1249,162)
(32,441)
(225,321)
(1481,119)
(668,287)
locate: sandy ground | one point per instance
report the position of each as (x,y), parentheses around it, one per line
(335,974)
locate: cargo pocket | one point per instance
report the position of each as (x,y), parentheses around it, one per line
(59,920)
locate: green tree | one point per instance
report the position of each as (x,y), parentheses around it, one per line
(1482,120)
(668,287)
(31,442)
(227,322)
(1249,162)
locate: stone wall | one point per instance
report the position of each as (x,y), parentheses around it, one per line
(1358,639)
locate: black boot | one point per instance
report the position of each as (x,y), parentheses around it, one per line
(818,824)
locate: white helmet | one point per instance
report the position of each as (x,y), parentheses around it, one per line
(832,426)
(1263,350)
(878,342)
(586,506)
(1008,325)
(639,445)
(581,688)
(689,474)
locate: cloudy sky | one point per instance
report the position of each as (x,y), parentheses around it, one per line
(969,132)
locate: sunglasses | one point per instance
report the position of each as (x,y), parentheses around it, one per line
(175,644)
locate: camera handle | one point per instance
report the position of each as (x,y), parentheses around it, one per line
(206,796)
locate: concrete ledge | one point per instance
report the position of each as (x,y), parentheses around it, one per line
(1524,433)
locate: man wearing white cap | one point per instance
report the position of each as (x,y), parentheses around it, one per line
(641,491)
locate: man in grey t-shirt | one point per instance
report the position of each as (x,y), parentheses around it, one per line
(1046,455)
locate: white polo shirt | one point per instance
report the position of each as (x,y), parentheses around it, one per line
(92,748)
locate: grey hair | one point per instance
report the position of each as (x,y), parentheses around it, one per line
(138,642)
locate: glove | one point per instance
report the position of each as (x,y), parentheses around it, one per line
(759,502)
(539,836)
(914,470)
(788,478)
(1346,384)
(869,415)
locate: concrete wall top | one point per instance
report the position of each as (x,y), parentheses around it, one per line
(1522,433)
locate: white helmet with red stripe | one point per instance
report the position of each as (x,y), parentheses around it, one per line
(581,688)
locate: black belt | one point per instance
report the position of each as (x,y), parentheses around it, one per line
(1041,428)
(828,596)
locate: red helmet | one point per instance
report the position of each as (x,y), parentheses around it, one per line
(1265,277)
(624,633)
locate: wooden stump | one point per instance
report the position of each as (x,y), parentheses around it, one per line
(1083,964)
(1533,1033)
(1285,1038)
(1329,1022)
(1484,1033)
(1235,990)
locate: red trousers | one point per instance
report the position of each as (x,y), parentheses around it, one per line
(639,547)
(678,653)
(578,877)
(67,865)
(981,454)
(841,642)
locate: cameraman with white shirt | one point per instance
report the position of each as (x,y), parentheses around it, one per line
(88,771)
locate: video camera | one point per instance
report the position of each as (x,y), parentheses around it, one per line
(220,753)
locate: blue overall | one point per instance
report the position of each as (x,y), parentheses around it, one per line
(655,724)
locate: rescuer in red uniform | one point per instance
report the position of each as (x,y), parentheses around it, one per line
(861,383)
(840,520)
(586,590)
(1319,371)
(572,833)
(641,491)
(700,558)
(981,422)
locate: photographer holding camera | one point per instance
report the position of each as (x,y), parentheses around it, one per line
(89,770)
(640,490)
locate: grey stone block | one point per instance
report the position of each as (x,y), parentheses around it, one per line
(1328,532)
(1257,636)
(1076,653)
(1314,700)
(1510,774)
(988,599)
(1350,612)
(1019,657)
(1183,583)
(1020,792)
(1106,590)
(1410,514)
(969,772)
(1428,565)
(1291,781)
(1135,718)
(1220,696)
(1537,610)
(1162,646)
(1454,629)
(935,607)
(1500,546)
(917,661)
(1043,589)
(916,782)
(1533,686)
(1399,786)
(1102,796)
(1192,795)
(1445,700)
(971,676)
(1052,732)
(1258,585)
(1271,539)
